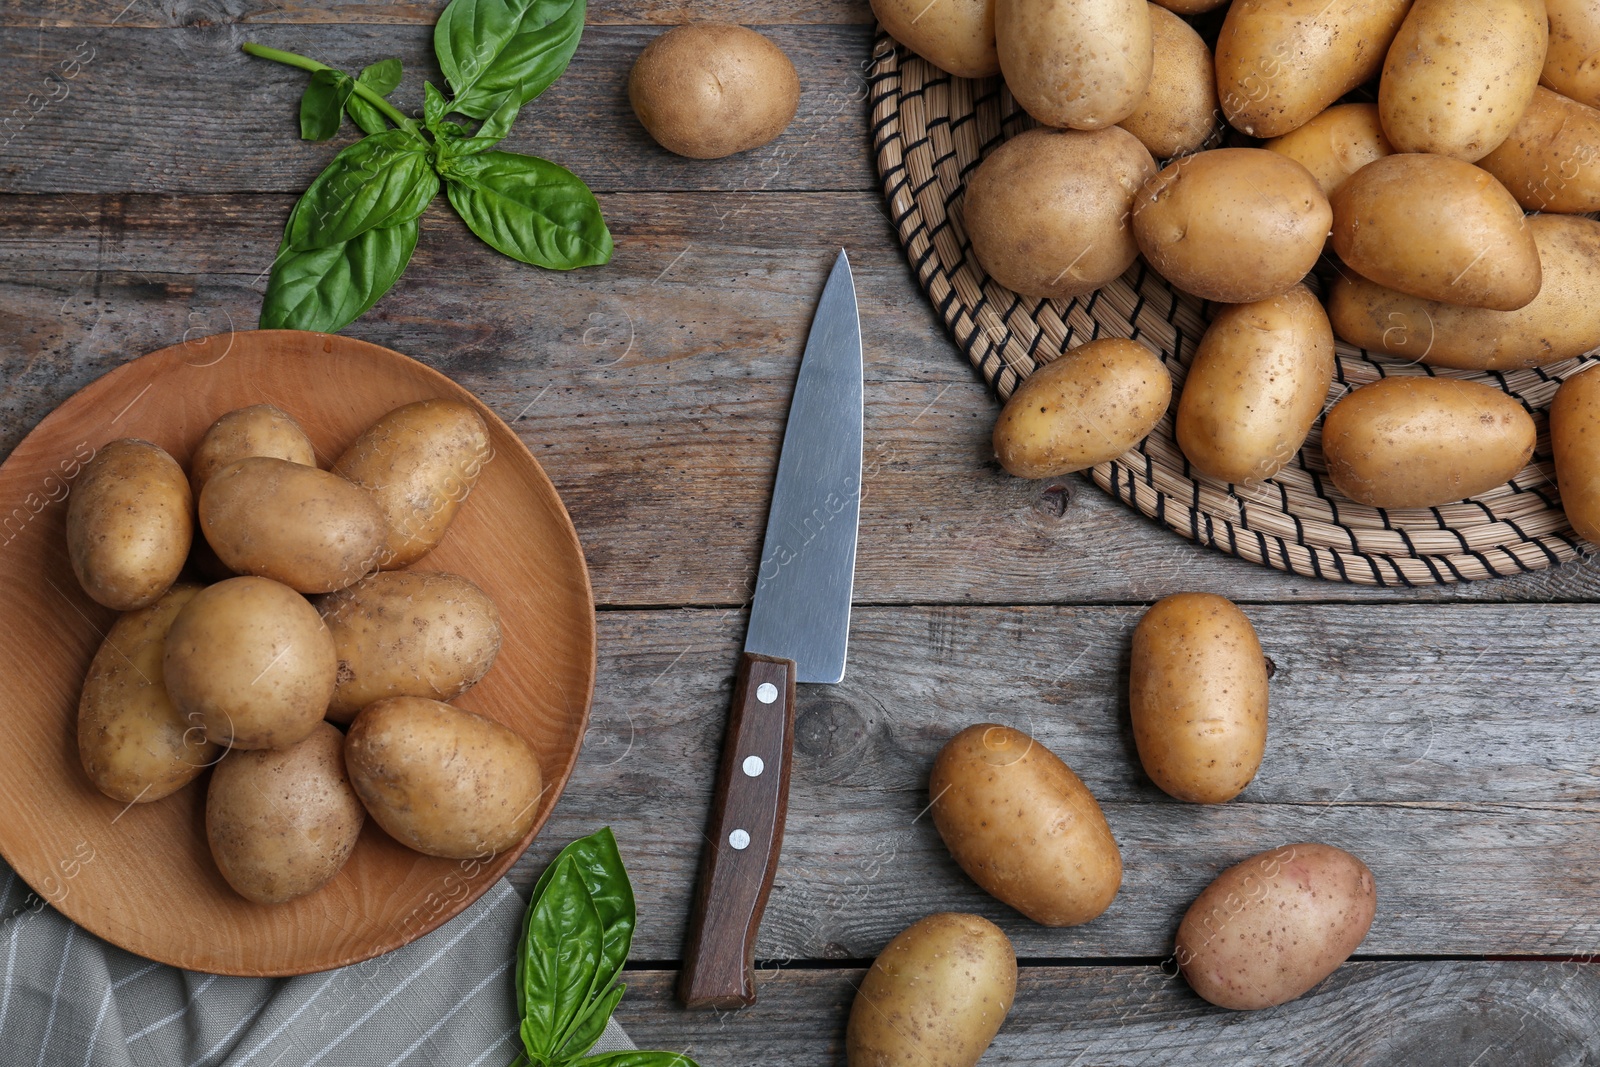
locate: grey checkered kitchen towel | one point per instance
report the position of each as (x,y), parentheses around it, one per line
(68,999)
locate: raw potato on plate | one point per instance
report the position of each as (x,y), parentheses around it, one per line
(408,633)
(1256,384)
(1459,75)
(1561,322)
(709,89)
(935,996)
(134,744)
(129,524)
(281,822)
(1178,112)
(1280,63)
(1437,228)
(1082,64)
(419,462)
(1023,826)
(1232,224)
(307,528)
(957,36)
(443,780)
(259,430)
(1197,694)
(1267,930)
(1047,211)
(1087,406)
(1417,442)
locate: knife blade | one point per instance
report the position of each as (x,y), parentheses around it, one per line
(798,631)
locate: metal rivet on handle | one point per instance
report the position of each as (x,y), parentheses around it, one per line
(739,839)
(766,692)
(753,766)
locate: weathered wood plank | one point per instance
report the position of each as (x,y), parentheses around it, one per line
(171,14)
(178,111)
(1421,1014)
(654,389)
(1450,747)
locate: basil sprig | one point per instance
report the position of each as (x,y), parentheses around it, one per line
(575,939)
(352,233)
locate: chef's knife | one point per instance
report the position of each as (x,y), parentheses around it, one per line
(799,623)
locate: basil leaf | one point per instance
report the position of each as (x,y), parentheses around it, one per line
(494,128)
(382,77)
(528,208)
(606,878)
(562,947)
(488,48)
(322,104)
(639,1058)
(379,181)
(586,1030)
(326,289)
(434,106)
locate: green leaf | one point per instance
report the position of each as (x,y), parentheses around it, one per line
(322,104)
(488,48)
(528,208)
(586,1030)
(604,875)
(562,949)
(638,1058)
(326,289)
(381,180)
(382,77)
(434,106)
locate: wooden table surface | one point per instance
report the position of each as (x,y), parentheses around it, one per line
(1447,736)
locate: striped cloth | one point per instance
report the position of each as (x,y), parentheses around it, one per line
(68,999)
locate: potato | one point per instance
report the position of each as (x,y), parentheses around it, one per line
(1551,160)
(1023,826)
(1335,144)
(1459,75)
(1197,694)
(1232,224)
(413,633)
(250,661)
(1093,404)
(1257,383)
(1575,440)
(445,781)
(129,524)
(1418,442)
(281,823)
(309,529)
(1272,927)
(935,996)
(1178,112)
(1047,211)
(1084,64)
(1437,228)
(1280,63)
(1569,66)
(957,36)
(134,745)
(709,89)
(259,430)
(1561,322)
(420,463)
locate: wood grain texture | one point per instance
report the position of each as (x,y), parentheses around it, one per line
(207,118)
(653,390)
(1392,734)
(117,870)
(201,14)
(1422,1014)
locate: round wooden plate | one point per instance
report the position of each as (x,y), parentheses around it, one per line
(141,876)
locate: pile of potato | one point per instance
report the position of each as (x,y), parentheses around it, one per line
(250,676)
(1027,830)
(1415,190)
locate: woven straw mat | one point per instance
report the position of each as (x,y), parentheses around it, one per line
(930,130)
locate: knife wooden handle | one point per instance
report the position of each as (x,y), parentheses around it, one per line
(743,836)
